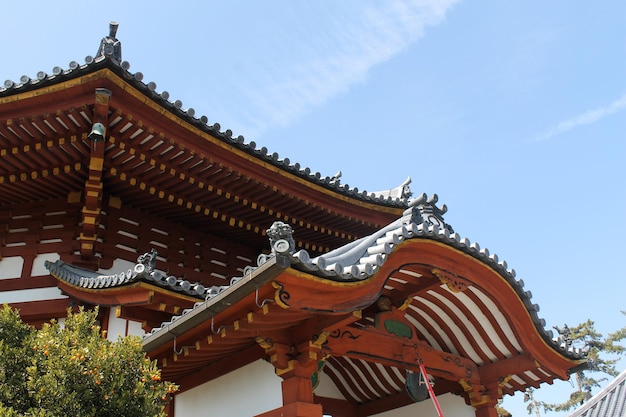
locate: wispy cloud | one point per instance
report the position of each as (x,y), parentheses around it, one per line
(332,56)
(586,118)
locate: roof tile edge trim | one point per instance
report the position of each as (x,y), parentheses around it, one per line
(394,197)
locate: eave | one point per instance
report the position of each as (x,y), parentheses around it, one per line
(143,302)
(157,154)
(471,320)
(214,306)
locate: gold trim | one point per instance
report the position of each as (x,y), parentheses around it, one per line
(482,288)
(107,74)
(319,341)
(325,281)
(282,371)
(152,289)
(405,304)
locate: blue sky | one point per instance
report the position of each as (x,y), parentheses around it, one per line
(514,112)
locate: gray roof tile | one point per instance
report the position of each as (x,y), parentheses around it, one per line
(609,402)
(359,260)
(394,197)
(142,271)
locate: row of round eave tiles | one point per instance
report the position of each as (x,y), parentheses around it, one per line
(440,234)
(131,275)
(403,232)
(215,128)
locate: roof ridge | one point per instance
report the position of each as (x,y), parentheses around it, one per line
(143,270)
(110,55)
(361,259)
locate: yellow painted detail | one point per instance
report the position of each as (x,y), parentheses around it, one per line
(96,163)
(115,202)
(319,341)
(283,371)
(405,304)
(102,99)
(73,197)
(263,343)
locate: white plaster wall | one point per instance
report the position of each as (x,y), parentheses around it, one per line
(327,388)
(451,406)
(39,268)
(134,328)
(246,392)
(11,267)
(22,296)
(117,327)
(119,265)
(122,327)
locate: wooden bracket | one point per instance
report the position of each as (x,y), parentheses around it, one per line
(93,192)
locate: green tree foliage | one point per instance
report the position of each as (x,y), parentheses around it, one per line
(71,370)
(603,353)
(15,358)
(616,337)
(533,405)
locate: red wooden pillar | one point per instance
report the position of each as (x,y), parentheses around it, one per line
(484,398)
(297,399)
(296,365)
(487,410)
(169,407)
(295,410)
(297,389)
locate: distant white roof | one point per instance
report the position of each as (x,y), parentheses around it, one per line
(609,402)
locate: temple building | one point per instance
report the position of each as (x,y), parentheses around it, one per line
(261,287)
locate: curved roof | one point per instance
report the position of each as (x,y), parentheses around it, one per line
(163,162)
(461,300)
(88,279)
(609,402)
(469,317)
(394,197)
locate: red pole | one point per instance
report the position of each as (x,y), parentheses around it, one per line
(430,390)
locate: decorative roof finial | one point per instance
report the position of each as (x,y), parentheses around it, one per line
(110,47)
(281,238)
(148,260)
(403,191)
